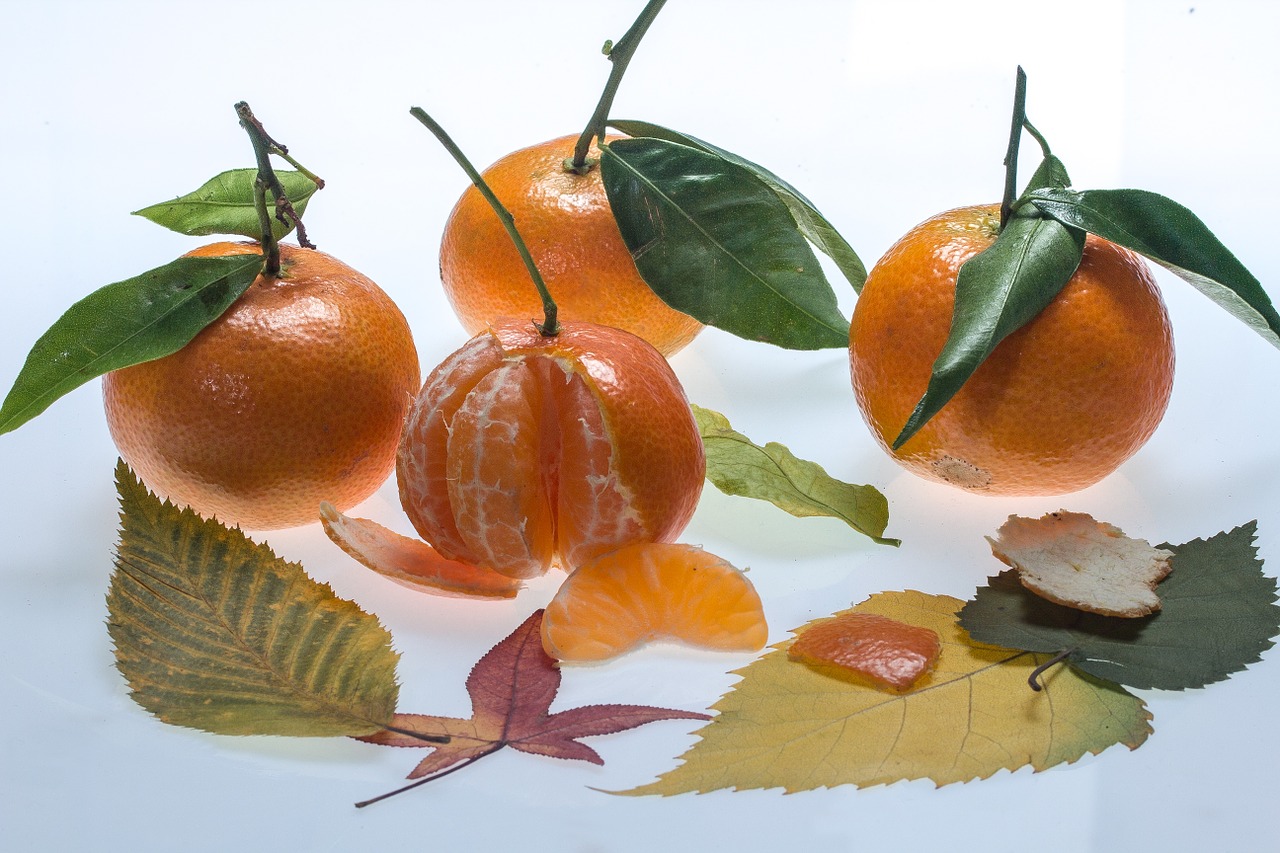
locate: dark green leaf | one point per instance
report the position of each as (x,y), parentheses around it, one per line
(773,473)
(1218,614)
(716,242)
(812,224)
(126,323)
(998,291)
(1172,236)
(215,632)
(1050,173)
(225,205)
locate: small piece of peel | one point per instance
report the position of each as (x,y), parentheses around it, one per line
(412,562)
(884,652)
(1073,560)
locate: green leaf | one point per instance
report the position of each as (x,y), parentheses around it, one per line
(812,224)
(772,473)
(1172,236)
(225,205)
(215,632)
(1217,615)
(716,242)
(126,323)
(998,291)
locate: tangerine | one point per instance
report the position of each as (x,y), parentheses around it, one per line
(524,451)
(1058,404)
(295,395)
(565,219)
(889,654)
(646,592)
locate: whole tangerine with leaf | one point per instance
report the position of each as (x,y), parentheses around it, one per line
(250,381)
(293,396)
(1025,349)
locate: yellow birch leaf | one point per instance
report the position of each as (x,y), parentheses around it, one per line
(787,725)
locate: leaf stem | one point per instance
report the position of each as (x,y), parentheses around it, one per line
(267,181)
(418,735)
(1034,678)
(620,55)
(417,783)
(550,325)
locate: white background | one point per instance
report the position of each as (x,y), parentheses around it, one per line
(883,114)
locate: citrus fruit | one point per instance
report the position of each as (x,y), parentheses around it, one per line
(294,396)
(889,654)
(524,451)
(566,221)
(1057,406)
(652,591)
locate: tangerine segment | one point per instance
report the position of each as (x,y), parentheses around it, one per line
(412,562)
(525,451)
(890,654)
(652,591)
(1058,404)
(494,463)
(569,227)
(421,475)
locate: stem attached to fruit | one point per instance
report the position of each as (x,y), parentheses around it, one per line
(1018,125)
(620,55)
(263,147)
(550,326)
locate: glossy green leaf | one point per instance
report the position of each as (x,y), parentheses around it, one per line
(215,632)
(772,473)
(998,291)
(714,241)
(1217,615)
(1172,236)
(123,324)
(812,224)
(225,205)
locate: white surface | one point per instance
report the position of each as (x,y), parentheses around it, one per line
(883,114)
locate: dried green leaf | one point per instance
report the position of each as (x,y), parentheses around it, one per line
(790,726)
(736,466)
(225,205)
(1218,615)
(215,632)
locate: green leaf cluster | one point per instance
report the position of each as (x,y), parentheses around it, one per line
(1218,614)
(725,240)
(1004,287)
(158,312)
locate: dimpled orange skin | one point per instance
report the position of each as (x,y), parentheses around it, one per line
(889,654)
(294,396)
(524,451)
(566,221)
(1056,407)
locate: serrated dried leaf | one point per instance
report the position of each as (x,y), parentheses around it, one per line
(791,727)
(1218,616)
(215,632)
(1073,560)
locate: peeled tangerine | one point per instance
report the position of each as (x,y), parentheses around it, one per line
(524,451)
(646,592)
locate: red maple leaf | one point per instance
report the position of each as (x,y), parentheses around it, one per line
(512,688)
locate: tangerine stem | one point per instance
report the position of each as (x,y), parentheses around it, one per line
(550,326)
(263,147)
(620,55)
